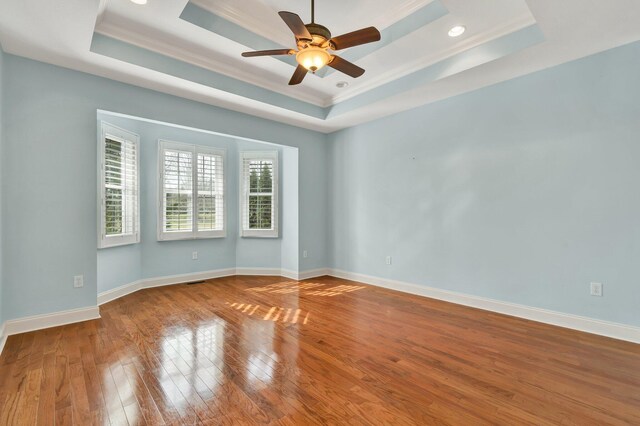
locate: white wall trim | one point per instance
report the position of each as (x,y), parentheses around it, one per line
(186,278)
(3,336)
(313,273)
(118,292)
(259,271)
(292,275)
(55,319)
(409,67)
(575,322)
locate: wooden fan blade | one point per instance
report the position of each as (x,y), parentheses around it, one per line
(298,75)
(296,25)
(356,38)
(345,66)
(273,52)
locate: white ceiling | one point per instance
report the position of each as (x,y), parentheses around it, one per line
(61,32)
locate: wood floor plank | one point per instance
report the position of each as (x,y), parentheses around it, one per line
(267,350)
(47,400)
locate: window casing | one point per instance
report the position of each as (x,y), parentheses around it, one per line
(119,187)
(191,192)
(259,194)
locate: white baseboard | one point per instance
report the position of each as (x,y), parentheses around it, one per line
(292,275)
(3,337)
(116,293)
(186,278)
(304,275)
(39,322)
(313,273)
(575,322)
(259,271)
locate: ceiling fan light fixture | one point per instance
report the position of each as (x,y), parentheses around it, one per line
(313,58)
(457,31)
(313,40)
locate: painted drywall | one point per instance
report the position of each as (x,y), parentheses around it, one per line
(162,258)
(1,156)
(151,258)
(258,252)
(289,221)
(49,176)
(117,266)
(524,192)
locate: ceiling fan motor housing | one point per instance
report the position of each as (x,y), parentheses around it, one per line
(321,34)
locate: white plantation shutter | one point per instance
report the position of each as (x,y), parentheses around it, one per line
(119,187)
(177,191)
(191,192)
(210,175)
(259,194)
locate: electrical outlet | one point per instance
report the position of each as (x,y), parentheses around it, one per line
(78,281)
(596,289)
(305,254)
(194,255)
(388,260)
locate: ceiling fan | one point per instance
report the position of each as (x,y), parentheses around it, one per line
(314,41)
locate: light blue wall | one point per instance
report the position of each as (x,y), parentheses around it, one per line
(258,252)
(49,183)
(1,156)
(151,258)
(313,166)
(524,192)
(289,219)
(118,266)
(162,258)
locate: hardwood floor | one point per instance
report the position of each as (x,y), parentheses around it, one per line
(265,350)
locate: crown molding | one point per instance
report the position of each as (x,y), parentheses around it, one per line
(250,22)
(399,12)
(155,45)
(423,62)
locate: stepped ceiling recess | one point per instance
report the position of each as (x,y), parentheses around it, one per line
(192,48)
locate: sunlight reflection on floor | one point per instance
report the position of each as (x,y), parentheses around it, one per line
(306,288)
(273,313)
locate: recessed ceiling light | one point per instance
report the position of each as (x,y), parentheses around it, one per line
(341,84)
(139,1)
(457,31)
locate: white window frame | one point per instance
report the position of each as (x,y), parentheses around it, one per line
(244,195)
(105,129)
(194,233)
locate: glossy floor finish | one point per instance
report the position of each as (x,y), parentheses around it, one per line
(264,350)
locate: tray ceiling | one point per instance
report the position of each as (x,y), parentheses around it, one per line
(192,48)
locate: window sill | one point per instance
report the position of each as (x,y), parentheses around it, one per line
(259,234)
(107,243)
(190,236)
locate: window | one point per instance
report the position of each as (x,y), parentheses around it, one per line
(119,219)
(191,192)
(259,194)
